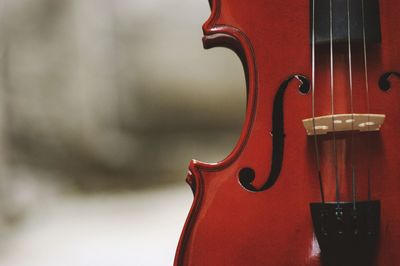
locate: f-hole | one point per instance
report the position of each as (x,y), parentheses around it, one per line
(384,81)
(247,175)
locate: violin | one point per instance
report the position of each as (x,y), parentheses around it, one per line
(314,178)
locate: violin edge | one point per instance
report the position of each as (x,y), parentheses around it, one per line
(217,35)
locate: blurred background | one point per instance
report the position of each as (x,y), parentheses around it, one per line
(102,105)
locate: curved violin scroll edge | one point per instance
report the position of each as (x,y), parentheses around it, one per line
(247,175)
(384,80)
(230,42)
(235,40)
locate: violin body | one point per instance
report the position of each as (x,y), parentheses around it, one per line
(253,208)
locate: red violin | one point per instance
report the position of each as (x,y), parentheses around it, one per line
(315,176)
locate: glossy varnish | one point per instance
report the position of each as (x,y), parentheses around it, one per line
(231,225)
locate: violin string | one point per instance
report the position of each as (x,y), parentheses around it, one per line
(321,187)
(368,101)
(334,150)
(353,175)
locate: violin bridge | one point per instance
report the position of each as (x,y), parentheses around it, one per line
(343,122)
